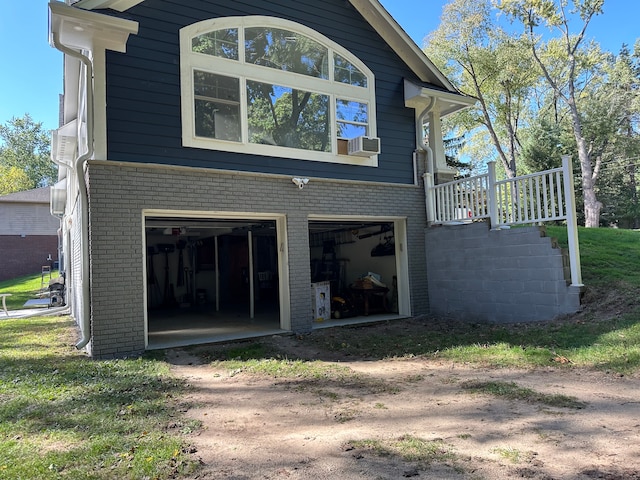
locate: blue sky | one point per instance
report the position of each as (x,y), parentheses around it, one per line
(31,75)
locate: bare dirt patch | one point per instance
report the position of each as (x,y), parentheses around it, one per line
(408,418)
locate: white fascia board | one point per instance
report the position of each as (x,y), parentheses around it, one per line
(118,5)
(71,88)
(419,97)
(374,13)
(77,28)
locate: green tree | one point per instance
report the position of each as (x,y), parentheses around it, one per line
(26,146)
(483,61)
(562,63)
(12,179)
(618,186)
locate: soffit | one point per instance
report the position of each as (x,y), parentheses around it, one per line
(419,96)
(81,29)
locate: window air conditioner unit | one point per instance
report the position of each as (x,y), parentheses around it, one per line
(364,146)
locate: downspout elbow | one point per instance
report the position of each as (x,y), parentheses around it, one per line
(78,166)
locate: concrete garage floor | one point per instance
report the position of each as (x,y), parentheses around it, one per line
(174,328)
(178,328)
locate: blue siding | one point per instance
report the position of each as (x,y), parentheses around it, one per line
(143,89)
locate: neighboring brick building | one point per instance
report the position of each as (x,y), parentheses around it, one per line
(28,233)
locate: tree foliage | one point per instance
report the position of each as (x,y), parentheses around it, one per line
(483,61)
(26,146)
(545,90)
(561,62)
(12,180)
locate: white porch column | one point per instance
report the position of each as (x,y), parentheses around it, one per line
(572,225)
(436,143)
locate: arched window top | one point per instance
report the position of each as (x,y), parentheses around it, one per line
(269,86)
(279,44)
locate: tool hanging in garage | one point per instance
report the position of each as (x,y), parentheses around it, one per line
(181,271)
(167,248)
(152,280)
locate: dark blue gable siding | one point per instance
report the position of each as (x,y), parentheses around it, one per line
(143,89)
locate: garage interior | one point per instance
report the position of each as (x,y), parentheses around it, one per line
(217,279)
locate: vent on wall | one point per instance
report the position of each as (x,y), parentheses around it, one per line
(364,146)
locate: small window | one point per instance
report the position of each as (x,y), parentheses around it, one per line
(351,119)
(220,43)
(347,72)
(217,106)
(271,87)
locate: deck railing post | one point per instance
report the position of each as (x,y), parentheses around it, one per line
(429,195)
(492,197)
(572,225)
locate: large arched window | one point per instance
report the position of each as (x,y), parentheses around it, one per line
(267,86)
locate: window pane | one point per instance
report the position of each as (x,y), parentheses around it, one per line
(221,43)
(288,117)
(285,50)
(217,106)
(352,118)
(352,111)
(345,72)
(349,130)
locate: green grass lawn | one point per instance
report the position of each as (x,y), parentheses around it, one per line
(24,288)
(63,415)
(607,255)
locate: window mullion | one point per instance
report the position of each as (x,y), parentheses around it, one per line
(331,62)
(244,108)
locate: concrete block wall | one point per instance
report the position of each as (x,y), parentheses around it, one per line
(119,192)
(512,275)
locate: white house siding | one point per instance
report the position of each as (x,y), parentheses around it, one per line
(119,192)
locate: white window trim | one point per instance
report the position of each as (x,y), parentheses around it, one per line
(190,61)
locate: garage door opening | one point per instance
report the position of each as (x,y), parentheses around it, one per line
(210,279)
(357,271)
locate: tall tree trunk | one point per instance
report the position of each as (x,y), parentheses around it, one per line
(592,206)
(635,221)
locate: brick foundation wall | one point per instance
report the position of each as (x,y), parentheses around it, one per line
(119,193)
(26,255)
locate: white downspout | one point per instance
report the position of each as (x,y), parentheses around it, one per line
(428,176)
(421,144)
(78,165)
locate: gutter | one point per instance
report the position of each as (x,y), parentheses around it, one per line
(78,165)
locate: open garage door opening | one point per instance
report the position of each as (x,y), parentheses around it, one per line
(210,279)
(357,271)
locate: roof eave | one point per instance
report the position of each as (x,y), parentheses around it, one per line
(80,29)
(118,5)
(419,96)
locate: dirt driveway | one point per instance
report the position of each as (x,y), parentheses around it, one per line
(409,418)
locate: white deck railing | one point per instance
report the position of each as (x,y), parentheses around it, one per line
(530,199)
